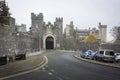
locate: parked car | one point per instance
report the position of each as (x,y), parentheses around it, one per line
(83,55)
(20,56)
(3,59)
(92,57)
(105,55)
(116,54)
(117,58)
(87,54)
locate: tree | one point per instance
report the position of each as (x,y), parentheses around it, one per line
(91,38)
(116,32)
(4,13)
(4,10)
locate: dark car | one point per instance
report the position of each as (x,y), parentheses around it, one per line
(3,59)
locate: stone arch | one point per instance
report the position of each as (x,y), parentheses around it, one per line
(49,41)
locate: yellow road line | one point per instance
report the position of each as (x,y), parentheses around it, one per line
(25,72)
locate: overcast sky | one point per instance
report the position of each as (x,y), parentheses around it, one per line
(83,13)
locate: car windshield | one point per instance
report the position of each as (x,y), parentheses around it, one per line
(101,52)
(110,53)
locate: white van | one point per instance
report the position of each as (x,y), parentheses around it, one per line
(105,55)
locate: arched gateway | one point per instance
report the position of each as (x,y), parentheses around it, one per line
(49,42)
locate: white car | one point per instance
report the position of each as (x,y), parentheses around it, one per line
(117,58)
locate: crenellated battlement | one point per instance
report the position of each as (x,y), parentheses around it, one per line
(37,16)
(59,19)
(102,26)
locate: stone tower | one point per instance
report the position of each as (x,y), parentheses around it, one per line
(37,23)
(102,32)
(59,31)
(69,32)
(46,36)
(37,30)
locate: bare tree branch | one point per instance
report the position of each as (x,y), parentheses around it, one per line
(116,32)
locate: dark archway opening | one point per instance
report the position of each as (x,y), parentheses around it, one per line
(49,43)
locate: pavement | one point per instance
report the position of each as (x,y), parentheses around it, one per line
(114,65)
(33,60)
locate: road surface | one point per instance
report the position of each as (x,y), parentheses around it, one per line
(63,66)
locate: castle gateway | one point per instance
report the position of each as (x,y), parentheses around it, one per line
(49,43)
(49,35)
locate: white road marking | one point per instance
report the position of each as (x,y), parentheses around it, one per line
(50,73)
(52,70)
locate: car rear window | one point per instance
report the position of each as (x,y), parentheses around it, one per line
(101,52)
(109,53)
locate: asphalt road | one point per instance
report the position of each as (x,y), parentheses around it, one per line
(63,66)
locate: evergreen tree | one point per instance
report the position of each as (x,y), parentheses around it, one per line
(4,10)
